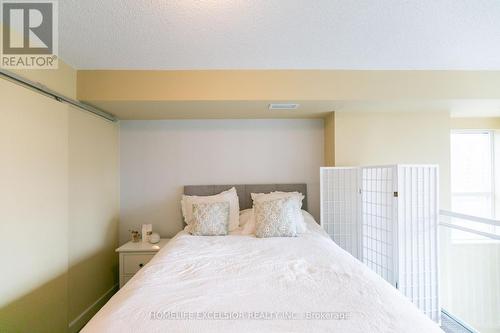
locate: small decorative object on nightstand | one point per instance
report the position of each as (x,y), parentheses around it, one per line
(154,238)
(135,236)
(133,256)
(147,230)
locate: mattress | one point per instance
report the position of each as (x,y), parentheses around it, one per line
(241,283)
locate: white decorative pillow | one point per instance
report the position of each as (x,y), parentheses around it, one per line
(275,218)
(297,196)
(247,222)
(278,194)
(230,196)
(210,219)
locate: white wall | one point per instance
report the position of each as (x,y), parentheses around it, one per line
(157,158)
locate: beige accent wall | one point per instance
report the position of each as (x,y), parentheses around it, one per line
(329,144)
(61,80)
(250,85)
(377,138)
(475,123)
(374,138)
(59,205)
(204,94)
(158,110)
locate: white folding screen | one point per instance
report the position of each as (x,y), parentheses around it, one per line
(340,207)
(418,211)
(378,223)
(386,216)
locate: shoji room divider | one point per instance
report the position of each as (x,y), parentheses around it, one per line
(386,216)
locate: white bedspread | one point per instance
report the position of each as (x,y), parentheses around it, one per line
(244,284)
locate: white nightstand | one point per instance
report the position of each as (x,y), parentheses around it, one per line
(133,256)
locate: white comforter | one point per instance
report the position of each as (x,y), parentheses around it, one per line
(245,284)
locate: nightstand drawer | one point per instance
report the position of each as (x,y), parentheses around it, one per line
(134,262)
(134,255)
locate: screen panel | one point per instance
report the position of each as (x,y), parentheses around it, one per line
(379,209)
(340,207)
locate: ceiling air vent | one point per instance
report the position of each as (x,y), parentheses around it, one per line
(283,106)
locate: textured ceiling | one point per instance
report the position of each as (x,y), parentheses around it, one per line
(280,34)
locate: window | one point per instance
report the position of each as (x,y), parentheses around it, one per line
(473,178)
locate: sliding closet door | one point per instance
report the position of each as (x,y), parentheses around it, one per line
(33,211)
(93,184)
(59,205)
(340,207)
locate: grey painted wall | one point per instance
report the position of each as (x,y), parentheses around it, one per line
(157,158)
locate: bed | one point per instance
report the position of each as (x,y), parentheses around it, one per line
(240,283)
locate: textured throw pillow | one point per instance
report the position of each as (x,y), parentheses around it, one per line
(247,222)
(275,218)
(297,196)
(210,219)
(230,195)
(278,194)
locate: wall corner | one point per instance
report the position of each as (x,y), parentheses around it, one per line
(329,132)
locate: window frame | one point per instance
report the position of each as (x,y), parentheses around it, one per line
(493,192)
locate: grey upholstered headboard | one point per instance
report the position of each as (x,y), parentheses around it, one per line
(245,190)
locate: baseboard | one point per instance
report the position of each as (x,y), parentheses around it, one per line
(77,324)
